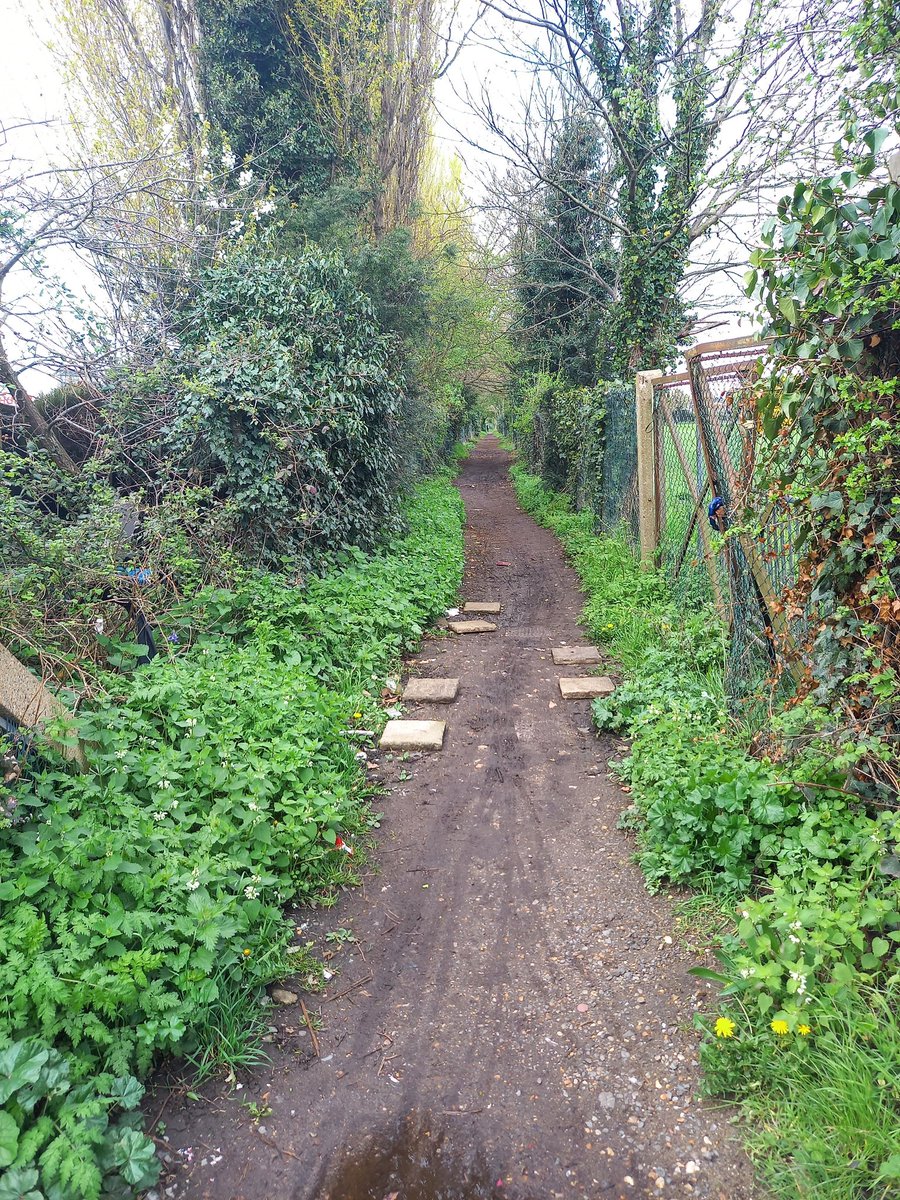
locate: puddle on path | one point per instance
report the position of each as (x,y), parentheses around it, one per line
(416,1160)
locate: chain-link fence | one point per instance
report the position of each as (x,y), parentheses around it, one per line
(616,504)
(757,569)
(698,433)
(684,540)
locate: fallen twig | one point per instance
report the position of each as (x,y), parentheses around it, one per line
(347,991)
(309,1026)
(271,1142)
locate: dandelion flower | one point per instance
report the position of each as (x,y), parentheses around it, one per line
(804,1030)
(357,715)
(246,954)
(780,1027)
(724,1027)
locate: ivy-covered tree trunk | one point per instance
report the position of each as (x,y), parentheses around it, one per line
(658,175)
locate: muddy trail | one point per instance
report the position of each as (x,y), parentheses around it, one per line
(515,1017)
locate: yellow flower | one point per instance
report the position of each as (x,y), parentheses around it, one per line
(246,954)
(356,716)
(780,1027)
(724,1027)
(804,1030)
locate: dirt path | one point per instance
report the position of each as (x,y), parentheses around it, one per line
(525,1031)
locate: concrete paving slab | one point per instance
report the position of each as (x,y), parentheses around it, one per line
(472,626)
(575,656)
(25,700)
(483,606)
(586,687)
(413,735)
(435,691)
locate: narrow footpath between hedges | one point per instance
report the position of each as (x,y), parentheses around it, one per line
(522,1028)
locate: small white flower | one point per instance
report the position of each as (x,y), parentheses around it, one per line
(192,885)
(265,208)
(256,878)
(229,162)
(121,754)
(164,783)
(253,806)
(159,816)
(251,892)
(245,178)
(793,938)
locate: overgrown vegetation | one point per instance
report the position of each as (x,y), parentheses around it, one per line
(143,899)
(805,1034)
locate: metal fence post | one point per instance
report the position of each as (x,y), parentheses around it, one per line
(648,510)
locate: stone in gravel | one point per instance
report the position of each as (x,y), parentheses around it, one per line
(585,687)
(472,627)
(437,691)
(283,996)
(482,606)
(413,735)
(575,656)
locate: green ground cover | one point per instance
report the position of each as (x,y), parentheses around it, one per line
(142,901)
(805,1035)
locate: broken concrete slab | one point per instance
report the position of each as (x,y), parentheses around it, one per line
(483,606)
(413,735)
(575,656)
(25,700)
(586,687)
(472,626)
(434,691)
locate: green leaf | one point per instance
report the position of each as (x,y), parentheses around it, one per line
(880,947)
(135,1156)
(20,1184)
(789,308)
(706,973)
(890,1168)
(126,1091)
(876,138)
(9,1139)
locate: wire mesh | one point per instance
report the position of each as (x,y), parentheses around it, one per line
(616,506)
(758,570)
(684,549)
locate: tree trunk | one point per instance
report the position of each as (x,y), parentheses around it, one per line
(33,417)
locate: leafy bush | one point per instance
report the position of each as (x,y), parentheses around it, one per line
(141,897)
(288,403)
(559,427)
(828,407)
